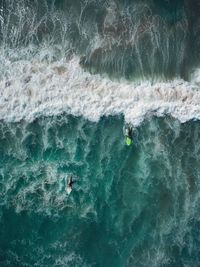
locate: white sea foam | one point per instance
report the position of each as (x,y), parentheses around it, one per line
(30,89)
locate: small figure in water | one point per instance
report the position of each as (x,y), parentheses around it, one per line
(128,132)
(71,181)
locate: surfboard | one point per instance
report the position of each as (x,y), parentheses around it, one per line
(128,141)
(69,190)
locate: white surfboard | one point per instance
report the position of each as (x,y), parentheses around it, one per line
(69,190)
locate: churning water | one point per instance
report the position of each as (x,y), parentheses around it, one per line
(72,72)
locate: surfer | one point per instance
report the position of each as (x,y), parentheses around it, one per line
(129,134)
(70,183)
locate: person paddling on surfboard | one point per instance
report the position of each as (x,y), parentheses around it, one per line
(70,184)
(129,135)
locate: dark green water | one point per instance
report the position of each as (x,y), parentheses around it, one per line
(131,206)
(126,38)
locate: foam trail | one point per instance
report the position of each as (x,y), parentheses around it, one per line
(30,89)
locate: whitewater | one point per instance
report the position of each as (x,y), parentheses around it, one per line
(72,74)
(29,89)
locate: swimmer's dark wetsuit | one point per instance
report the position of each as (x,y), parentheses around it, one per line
(71,182)
(130,132)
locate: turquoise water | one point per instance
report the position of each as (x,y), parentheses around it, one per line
(131,206)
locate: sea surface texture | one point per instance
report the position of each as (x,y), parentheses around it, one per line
(72,74)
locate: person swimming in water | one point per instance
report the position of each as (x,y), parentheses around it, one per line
(128,132)
(70,183)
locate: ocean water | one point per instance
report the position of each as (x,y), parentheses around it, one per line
(72,74)
(135,206)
